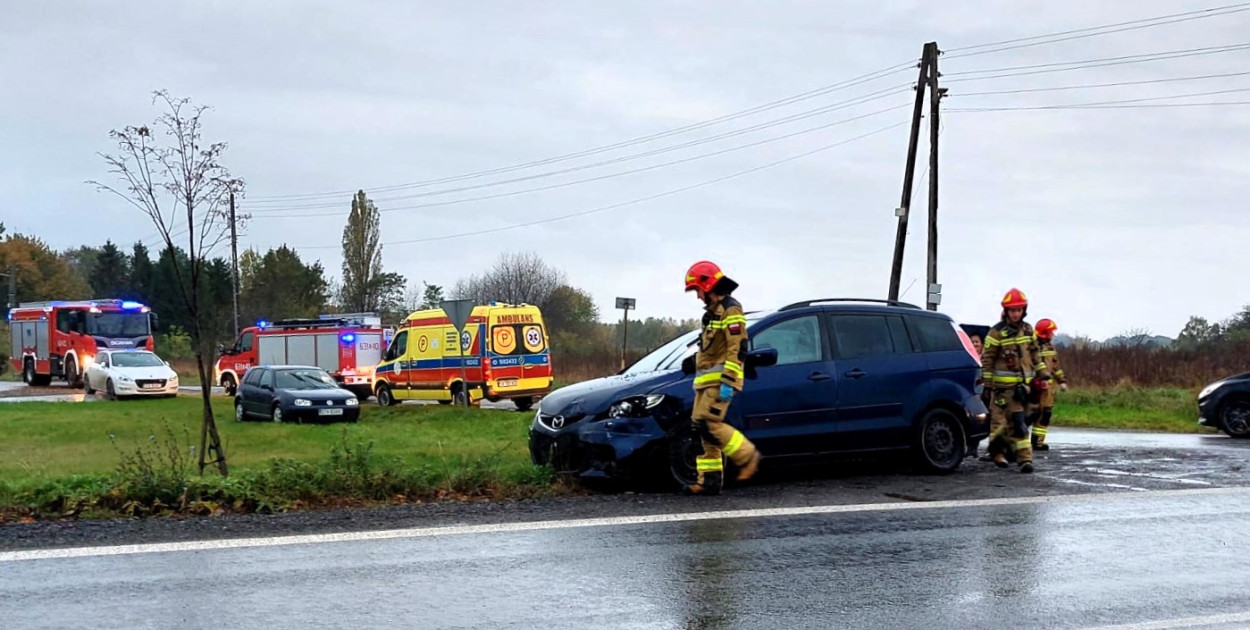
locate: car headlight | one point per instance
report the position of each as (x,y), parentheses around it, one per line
(635,406)
(1210,389)
(125,379)
(303,402)
(352,402)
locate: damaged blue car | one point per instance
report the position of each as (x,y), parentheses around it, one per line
(823,377)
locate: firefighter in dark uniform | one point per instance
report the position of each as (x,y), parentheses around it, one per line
(1012,367)
(718,377)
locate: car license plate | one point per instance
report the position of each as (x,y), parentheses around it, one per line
(508,382)
(151,386)
(330,412)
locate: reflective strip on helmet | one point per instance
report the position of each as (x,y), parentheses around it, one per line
(735,443)
(709,464)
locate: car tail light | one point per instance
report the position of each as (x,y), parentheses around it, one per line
(967,341)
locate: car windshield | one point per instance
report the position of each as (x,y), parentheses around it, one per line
(119,325)
(670,355)
(135,359)
(305,379)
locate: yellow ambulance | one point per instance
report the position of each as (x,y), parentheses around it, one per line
(503,353)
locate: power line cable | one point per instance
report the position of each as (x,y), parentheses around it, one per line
(1016,71)
(1095,31)
(967,110)
(1099,85)
(639,200)
(875,96)
(1144,99)
(810,94)
(606,176)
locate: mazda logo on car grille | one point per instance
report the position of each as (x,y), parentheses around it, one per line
(557,422)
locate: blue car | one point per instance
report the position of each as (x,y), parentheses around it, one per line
(823,377)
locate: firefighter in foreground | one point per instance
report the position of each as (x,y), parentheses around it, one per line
(718,377)
(1045,333)
(1011,364)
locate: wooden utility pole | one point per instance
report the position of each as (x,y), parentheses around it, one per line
(234,264)
(934,290)
(909,174)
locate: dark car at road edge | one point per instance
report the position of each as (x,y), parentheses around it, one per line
(1225,405)
(824,377)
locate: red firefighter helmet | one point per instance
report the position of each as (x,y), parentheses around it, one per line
(1045,329)
(1015,299)
(703,275)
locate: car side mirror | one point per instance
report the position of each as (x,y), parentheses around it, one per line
(764,357)
(688,365)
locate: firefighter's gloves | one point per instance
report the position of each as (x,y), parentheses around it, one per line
(1063,387)
(726,393)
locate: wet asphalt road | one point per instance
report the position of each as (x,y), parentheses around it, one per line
(1072,562)
(1132,531)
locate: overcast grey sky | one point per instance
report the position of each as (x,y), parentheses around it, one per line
(1109,218)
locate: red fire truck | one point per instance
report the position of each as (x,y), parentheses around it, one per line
(60,339)
(347,346)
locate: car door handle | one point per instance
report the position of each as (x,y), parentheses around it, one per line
(819,376)
(856,373)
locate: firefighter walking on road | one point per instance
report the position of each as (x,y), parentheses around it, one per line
(718,377)
(1045,333)
(1011,364)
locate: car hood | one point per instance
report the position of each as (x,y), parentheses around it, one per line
(594,397)
(145,373)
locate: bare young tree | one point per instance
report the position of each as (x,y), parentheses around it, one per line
(180,184)
(516,278)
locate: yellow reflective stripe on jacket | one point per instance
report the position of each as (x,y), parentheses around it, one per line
(1040,366)
(733,369)
(1007,380)
(735,319)
(734,443)
(710,377)
(709,464)
(1023,444)
(1015,341)
(1048,353)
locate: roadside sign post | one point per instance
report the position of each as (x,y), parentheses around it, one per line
(459,311)
(625,304)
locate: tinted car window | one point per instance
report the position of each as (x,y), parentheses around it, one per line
(936,335)
(245,343)
(253,377)
(796,340)
(898,333)
(862,336)
(399,347)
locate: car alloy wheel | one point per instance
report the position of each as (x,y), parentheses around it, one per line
(239,415)
(1235,418)
(277,413)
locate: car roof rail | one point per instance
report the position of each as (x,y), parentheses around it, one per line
(806,303)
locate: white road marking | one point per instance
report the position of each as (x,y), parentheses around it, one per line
(650,519)
(1188,622)
(1077,482)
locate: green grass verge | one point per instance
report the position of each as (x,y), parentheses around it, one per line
(1130,408)
(138,457)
